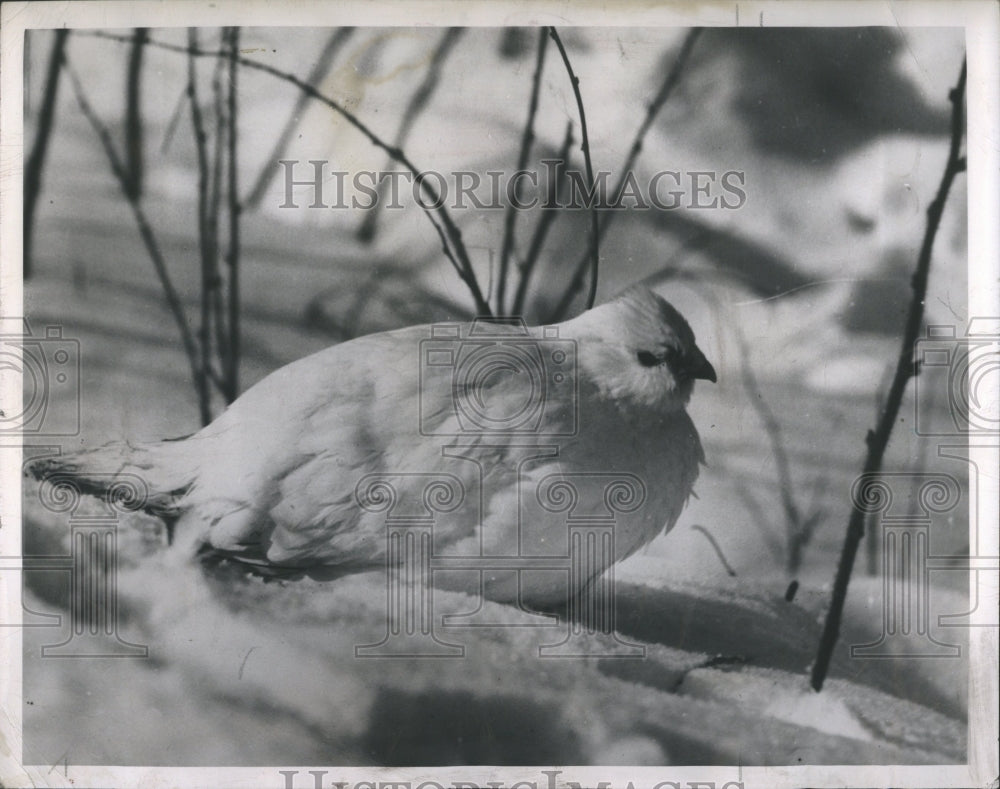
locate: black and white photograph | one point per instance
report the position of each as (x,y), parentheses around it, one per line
(449,395)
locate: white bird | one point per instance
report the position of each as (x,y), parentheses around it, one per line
(279,481)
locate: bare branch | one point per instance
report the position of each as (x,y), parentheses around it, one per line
(214,212)
(668,86)
(878,439)
(548,216)
(715,546)
(232,374)
(594,246)
(666,89)
(36,159)
(455,248)
(758,519)
(145,229)
(772,427)
(204,231)
(527,138)
(175,119)
(133,113)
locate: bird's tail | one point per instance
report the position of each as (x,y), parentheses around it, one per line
(152,477)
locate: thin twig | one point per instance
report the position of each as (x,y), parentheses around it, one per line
(871,517)
(798,529)
(878,439)
(204,232)
(817,510)
(175,118)
(133,113)
(718,551)
(145,229)
(318,73)
(214,212)
(668,86)
(548,216)
(527,138)
(666,89)
(235,209)
(454,246)
(36,159)
(673,268)
(594,244)
(772,427)
(758,519)
(368,288)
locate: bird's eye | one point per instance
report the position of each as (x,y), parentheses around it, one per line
(647,359)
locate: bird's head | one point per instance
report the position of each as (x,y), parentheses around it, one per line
(639,350)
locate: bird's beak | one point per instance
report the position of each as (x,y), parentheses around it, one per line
(699,368)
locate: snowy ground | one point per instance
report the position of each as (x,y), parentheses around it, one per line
(246,672)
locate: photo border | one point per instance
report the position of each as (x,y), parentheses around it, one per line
(980,20)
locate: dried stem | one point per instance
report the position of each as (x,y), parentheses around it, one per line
(549,215)
(36,159)
(878,439)
(214,212)
(793,519)
(145,229)
(453,245)
(527,138)
(235,209)
(668,86)
(758,519)
(718,550)
(594,245)
(175,119)
(871,517)
(205,236)
(133,113)
(666,89)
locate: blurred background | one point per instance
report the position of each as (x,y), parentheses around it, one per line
(798,296)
